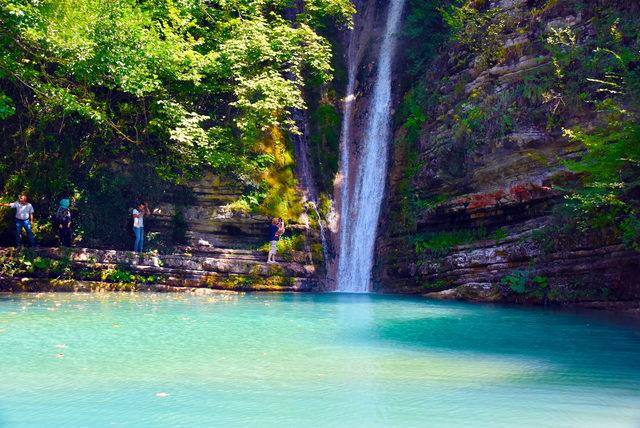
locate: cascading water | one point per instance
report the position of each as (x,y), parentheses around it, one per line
(360,210)
(345,133)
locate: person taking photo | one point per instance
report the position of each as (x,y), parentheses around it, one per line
(138,225)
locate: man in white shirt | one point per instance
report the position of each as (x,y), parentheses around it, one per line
(138,225)
(24,218)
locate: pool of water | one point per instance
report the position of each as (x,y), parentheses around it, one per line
(138,360)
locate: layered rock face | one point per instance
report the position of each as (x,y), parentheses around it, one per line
(84,269)
(203,242)
(491,183)
(205,218)
(208,246)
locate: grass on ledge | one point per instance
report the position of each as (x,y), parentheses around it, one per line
(439,244)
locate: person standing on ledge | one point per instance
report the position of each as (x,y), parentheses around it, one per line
(24,218)
(274,237)
(280,227)
(138,225)
(63,220)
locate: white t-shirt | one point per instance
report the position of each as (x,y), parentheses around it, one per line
(22,211)
(137,221)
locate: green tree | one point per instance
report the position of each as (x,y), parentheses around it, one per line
(96,93)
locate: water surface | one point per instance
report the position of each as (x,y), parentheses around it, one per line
(151,360)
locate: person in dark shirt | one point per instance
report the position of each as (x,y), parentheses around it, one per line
(63,219)
(276,229)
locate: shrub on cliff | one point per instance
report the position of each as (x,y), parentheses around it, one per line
(607,69)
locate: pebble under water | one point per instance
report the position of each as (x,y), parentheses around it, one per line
(172,360)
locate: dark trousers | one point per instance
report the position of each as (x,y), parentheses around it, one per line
(65,236)
(26,225)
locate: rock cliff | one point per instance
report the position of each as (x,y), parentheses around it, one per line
(475,191)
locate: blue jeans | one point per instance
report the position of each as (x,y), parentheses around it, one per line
(139,232)
(26,224)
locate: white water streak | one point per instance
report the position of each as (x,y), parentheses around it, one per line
(361,211)
(345,138)
(323,237)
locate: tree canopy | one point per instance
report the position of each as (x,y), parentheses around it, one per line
(90,87)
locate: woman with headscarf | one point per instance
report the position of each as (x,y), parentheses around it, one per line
(63,220)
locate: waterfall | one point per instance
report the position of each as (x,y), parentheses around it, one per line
(360,210)
(323,235)
(345,133)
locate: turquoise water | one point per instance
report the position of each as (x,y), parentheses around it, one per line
(150,360)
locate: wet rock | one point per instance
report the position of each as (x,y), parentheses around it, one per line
(567,21)
(472,291)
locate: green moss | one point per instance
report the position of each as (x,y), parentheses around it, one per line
(324,205)
(630,228)
(26,263)
(430,203)
(122,275)
(440,244)
(252,282)
(317,253)
(479,29)
(499,234)
(439,284)
(520,282)
(425,32)
(325,141)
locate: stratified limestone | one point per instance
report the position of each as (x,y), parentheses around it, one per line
(509,182)
(219,269)
(208,221)
(206,218)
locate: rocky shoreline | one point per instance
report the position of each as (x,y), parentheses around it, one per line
(53,285)
(40,285)
(470,273)
(84,269)
(225,271)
